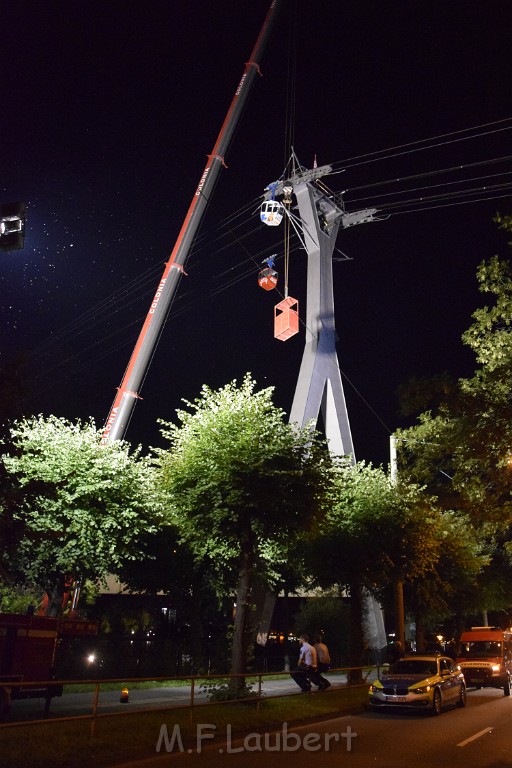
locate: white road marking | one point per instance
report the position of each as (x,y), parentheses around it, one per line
(475,736)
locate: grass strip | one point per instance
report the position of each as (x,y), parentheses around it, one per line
(67,744)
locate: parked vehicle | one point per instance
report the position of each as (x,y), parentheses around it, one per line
(28,645)
(427,682)
(485,657)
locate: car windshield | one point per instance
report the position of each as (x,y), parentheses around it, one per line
(481,649)
(416,667)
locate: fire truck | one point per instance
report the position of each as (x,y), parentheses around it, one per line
(486,657)
(28,648)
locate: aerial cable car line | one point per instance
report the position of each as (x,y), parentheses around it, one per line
(81,325)
(226,246)
(423,175)
(220,225)
(109,309)
(373,156)
(132,287)
(450,193)
(441,185)
(426,174)
(445,196)
(178,311)
(204,237)
(384,205)
(138,365)
(377,198)
(137,282)
(449,205)
(398,204)
(207,234)
(105,309)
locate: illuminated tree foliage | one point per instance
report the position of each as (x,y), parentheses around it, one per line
(80,508)
(374,534)
(243,484)
(463,450)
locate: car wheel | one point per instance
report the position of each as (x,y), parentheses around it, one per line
(506,687)
(437,704)
(462,696)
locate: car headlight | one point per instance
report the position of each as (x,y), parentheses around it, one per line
(422,689)
(495,667)
(375,687)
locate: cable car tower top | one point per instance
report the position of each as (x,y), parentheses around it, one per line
(319,385)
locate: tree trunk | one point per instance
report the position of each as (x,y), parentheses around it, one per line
(242,613)
(55,591)
(286,631)
(460,626)
(356,648)
(400,612)
(420,633)
(196,629)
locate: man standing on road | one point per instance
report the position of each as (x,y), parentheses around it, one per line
(306,673)
(323,662)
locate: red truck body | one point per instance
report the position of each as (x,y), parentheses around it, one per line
(28,645)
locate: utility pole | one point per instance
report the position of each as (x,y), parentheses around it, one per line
(399,584)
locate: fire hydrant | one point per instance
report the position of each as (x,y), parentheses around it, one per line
(125,695)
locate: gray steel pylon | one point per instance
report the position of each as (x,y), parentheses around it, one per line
(319,386)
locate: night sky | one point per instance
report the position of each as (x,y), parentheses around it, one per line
(108,112)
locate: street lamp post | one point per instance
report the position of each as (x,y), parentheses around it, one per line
(399,584)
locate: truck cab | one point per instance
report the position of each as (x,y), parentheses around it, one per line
(485,657)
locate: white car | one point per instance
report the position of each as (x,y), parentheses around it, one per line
(426,682)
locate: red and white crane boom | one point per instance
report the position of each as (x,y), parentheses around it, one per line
(128,391)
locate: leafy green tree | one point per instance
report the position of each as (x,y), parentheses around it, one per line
(81,508)
(18,598)
(329,616)
(243,485)
(449,589)
(462,449)
(374,534)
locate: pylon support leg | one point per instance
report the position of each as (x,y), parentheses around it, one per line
(319,386)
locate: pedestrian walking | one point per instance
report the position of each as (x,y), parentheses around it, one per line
(323,662)
(306,671)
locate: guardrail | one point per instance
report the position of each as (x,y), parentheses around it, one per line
(191,691)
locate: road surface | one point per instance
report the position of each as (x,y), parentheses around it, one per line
(478,736)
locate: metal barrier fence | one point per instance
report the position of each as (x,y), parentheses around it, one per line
(186,692)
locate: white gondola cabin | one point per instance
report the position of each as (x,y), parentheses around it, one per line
(271,213)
